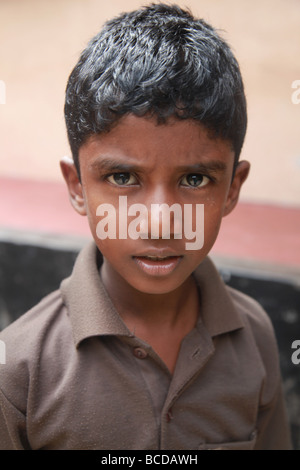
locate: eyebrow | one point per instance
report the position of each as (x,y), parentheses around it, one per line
(110,164)
(211,166)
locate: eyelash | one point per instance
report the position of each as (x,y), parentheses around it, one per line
(106,177)
(126,185)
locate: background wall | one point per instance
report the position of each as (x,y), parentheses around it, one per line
(40,41)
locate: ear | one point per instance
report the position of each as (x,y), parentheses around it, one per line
(74,186)
(241,174)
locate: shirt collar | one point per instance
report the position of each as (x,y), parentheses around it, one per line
(92,312)
(89,306)
(219,313)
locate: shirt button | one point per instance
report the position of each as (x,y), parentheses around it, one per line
(140,353)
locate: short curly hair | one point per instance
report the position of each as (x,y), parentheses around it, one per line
(159,61)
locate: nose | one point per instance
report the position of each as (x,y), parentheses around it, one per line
(163,218)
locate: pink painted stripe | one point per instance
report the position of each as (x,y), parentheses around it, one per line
(253,231)
(40,206)
(261,232)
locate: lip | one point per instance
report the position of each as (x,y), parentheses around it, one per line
(152,265)
(159,252)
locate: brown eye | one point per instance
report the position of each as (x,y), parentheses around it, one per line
(194,180)
(121,179)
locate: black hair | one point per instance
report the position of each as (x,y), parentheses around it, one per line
(158,61)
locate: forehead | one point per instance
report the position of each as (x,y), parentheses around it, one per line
(142,141)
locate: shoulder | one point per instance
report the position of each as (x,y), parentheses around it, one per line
(259,328)
(252,312)
(26,340)
(33,322)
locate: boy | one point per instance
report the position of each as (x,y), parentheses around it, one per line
(144,347)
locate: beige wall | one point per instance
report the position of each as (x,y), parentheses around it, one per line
(40,41)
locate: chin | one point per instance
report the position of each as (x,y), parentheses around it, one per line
(157,286)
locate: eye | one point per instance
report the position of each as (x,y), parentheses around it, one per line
(195,180)
(122,179)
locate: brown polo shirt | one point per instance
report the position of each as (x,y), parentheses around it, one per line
(76,378)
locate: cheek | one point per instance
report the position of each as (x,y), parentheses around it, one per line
(212,221)
(115,255)
(93,201)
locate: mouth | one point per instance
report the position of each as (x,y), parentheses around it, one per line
(158,258)
(157,265)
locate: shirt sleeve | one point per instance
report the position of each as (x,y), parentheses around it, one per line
(12,426)
(272,424)
(273,432)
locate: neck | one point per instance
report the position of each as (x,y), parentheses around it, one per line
(158,310)
(161,320)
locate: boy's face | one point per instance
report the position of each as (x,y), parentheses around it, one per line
(154,164)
